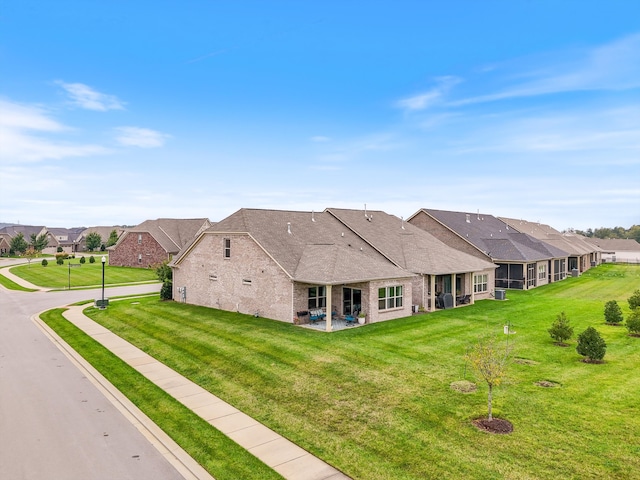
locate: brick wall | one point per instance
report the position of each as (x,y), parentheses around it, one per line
(128,252)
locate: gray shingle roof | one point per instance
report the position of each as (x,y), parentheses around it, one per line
(494,237)
(172,233)
(571,243)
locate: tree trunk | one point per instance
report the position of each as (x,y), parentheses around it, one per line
(489,402)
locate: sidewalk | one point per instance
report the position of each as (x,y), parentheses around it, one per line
(286,458)
(23,283)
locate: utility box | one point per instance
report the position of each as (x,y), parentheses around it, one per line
(575,272)
(102,303)
(501,294)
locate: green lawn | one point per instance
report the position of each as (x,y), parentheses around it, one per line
(376,402)
(80,275)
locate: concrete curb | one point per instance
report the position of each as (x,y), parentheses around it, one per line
(169,449)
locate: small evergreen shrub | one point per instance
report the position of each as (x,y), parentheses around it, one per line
(59,260)
(634,300)
(612,313)
(560,330)
(44,262)
(166,292)
(59,249)
(83,260)
(92,259)
(633,322)
(591,346)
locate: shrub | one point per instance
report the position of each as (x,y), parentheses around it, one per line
(591,345)
(612,313)
(44,262)
(83,260)
(92,259)
(560,330)
(166,292)
(59,260)
(62,255)
(633,322)
(59,249)
(634,300)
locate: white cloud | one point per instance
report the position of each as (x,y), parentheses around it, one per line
(85,97)
(19,142)
(320,139)
(613,66)
(431,97)
(140,137)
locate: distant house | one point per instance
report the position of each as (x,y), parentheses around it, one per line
(285,264)
(623,250)
(155,241)
(582,254)
(64,238)
(103,231)
(7,234)
(523,261)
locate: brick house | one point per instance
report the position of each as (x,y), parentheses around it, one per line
(155,241)
(582,254)
(278,263)
(523,261)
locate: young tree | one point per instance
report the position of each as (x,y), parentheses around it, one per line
(633,322)
(165,275)
(591,345)
(612,313)
(40,242)
(31,253)
(560,330)
(18,244)
(93,241)
(113,238)
(634,300)
(489,362)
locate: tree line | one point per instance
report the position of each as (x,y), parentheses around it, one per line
(37,243)
(615,232)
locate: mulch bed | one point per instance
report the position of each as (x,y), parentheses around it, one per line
(496,425)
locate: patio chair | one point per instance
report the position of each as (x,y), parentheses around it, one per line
(353,318)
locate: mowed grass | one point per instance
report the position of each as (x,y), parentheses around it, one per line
(375,402)
(81,275)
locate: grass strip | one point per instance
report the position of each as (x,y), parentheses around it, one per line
(11,285)
(220,456)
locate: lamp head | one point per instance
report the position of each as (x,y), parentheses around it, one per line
(104,259)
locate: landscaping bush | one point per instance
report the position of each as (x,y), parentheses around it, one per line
(591,346)
(83,260)
(166,292)
(612,313)
(62,255)
(59,249)
(59,260)
(44,262)
(633,323)
(634,300)
(92,259)
(561,331)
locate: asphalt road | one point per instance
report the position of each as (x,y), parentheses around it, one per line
(54,423)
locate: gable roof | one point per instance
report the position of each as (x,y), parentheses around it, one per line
(26,230)
(615,244)
(342,246)
(571,243)
(494,237)
(406,245)
(171,233)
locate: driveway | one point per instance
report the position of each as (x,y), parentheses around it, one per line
(54,423)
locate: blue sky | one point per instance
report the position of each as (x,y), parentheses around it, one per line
(117,112)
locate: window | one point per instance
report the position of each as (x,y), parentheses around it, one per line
(227,248)
(139,238)
(389,297)
(139,258)
(480,283)
(317,297)
(542,272)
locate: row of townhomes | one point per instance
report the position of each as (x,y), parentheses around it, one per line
(69,240)
(290,265)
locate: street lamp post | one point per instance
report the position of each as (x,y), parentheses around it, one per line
(104,260)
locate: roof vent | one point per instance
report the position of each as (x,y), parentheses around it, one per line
(402,218)
(313,219)
(289,228)
(468,218)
